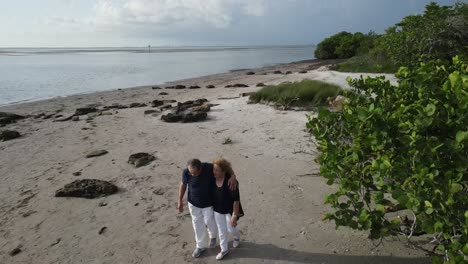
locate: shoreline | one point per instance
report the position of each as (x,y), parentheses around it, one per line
(261,69)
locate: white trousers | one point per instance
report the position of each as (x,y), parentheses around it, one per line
(223,221)
(201,218)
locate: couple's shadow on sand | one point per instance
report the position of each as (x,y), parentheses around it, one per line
(250,250)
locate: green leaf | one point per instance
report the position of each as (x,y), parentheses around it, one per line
(461,135)
(429,210)
(456,187)
(430,109)
(465,249)
(427,204)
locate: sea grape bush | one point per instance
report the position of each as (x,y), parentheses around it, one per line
(401,149)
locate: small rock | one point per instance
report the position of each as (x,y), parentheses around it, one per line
(156,103)
(87,188)
(8,118)
(288,72)
(136,204)
(102,230)
(9,135)
(135,105)
(75,118)
(260,84)
(303,72)
(162,108)
(277,72)
(179,86)
(156,88)
(96,153)
(147,112)
(85,110)
(194,87)
(228,86)
(76,174)
(15,251)
(163,93)
(240,85)
(210,86)
(102,204)
(250,73)
(140,159)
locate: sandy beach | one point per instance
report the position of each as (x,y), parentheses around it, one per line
(272,155)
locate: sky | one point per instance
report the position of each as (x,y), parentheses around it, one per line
(137,23)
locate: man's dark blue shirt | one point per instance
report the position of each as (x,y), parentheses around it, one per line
(200,187)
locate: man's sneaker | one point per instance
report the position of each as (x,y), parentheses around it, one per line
(197,252)
(212,243)
(236,242)
(221,255)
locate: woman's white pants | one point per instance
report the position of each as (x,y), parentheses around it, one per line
(223,221)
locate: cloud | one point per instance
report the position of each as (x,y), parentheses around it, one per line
(160,13)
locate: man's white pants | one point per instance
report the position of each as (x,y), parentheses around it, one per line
(223,221)
(202,217)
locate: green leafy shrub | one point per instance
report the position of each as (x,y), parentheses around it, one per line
(395,148)
(304,93)
(439,33)
(343,45)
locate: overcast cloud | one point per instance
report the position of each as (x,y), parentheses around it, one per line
(76,23)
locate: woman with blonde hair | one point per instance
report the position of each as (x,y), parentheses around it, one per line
(226,205)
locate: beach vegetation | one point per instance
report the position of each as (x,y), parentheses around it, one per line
(304,93)
(398,157)
(437,34)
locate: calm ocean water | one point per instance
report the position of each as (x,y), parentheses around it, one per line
(34,74)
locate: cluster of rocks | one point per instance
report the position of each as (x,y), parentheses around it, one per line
(189,111)
(9,118)
(6,135)
(87,188)
(180,86)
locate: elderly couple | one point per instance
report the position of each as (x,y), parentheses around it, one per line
(214,203)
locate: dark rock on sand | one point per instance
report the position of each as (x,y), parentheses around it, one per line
(8,118)
(156,88)
(163,93)
(140,159)
(237,85)
(162,108)
(278,72)
(96,153)
(194,87)
(75,118)
(15,251)
(260,84)
(136,105)
(194,117)
(148,112)
(9,135)
(171,117)
(87,188)
(250,73)
(303,72)
(85,110)
(156,103)
(288,72)
(210,86)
